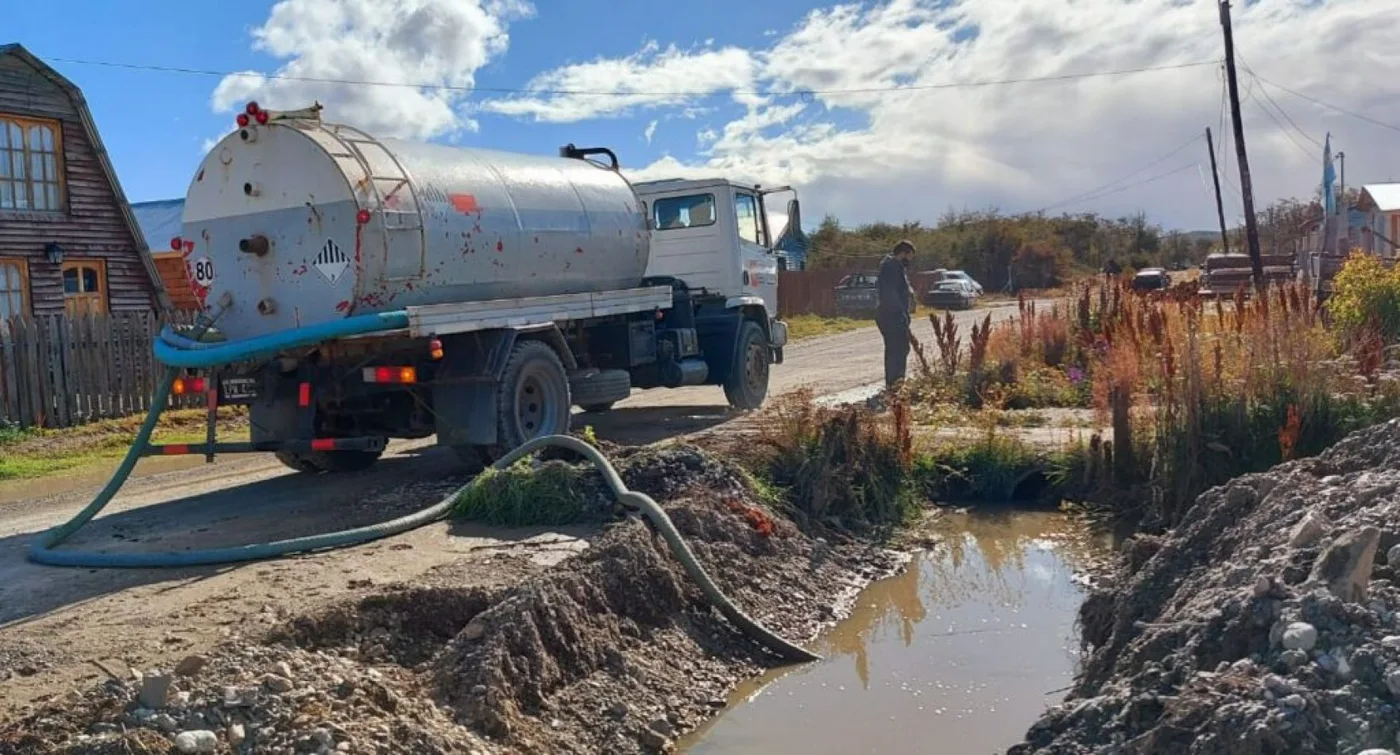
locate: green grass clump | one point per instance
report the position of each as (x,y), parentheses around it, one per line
(523,495)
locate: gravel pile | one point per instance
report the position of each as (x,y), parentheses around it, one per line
(1269,622)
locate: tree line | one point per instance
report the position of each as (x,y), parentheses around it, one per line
(1035,250)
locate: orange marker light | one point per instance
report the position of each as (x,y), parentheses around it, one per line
(178,387)
(408,375)
(435,348)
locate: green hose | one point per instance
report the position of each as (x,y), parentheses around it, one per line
(43,551)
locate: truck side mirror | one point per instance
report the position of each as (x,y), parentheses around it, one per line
(794,216)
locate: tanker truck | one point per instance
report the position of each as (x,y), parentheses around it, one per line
(356,289)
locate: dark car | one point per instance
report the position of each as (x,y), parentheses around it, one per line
(856,294)
(1151,279)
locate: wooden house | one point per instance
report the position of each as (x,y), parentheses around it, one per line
(68,240)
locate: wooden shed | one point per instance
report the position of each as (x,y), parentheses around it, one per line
(68,240)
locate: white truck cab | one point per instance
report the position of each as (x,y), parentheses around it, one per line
(714,234)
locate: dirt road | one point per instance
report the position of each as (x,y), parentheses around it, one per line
(65,628)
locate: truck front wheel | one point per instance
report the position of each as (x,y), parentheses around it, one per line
(747,384)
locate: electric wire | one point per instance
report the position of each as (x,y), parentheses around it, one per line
(627,92)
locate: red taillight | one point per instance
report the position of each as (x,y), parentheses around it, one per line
(260,116)
(390,375)
(195,385)
(252,108)
(304,394)
(241,120)
(435,348)
(177,243)
(362,217)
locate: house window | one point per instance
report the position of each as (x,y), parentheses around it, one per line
(31,162)
(14,288)
(85,287)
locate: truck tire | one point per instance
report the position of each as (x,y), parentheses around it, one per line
(329,461)
(597,390)
(747,384)
(533,399)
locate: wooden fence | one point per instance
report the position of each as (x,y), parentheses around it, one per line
(813,292)
(63,371)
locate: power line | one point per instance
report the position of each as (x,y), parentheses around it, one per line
(1328,105)
(1278,123)
(1135,184)
(1094,193)
(1271,100)
(629,93)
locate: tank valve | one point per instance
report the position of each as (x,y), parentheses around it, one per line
(255,245)
(252,189)
(267,306)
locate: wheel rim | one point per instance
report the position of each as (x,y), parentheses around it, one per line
(755,369)
(536,403)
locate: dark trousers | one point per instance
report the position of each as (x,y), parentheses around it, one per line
(894,329)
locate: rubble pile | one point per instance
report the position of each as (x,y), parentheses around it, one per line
(1268,622)
(612,650)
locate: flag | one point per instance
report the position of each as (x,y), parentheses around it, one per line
(1329,179)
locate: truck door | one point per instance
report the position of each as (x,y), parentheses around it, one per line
(760,266)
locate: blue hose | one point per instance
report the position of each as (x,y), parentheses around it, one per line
(176,357)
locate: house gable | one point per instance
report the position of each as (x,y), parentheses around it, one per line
(72,206)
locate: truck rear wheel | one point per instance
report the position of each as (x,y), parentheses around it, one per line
(597,390)
(747,384)
(329,461)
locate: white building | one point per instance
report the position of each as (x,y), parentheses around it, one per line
(1381,203)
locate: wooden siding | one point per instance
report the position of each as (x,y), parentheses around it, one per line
(177,283)
(92,227)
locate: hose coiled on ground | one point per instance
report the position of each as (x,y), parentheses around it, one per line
(43,550)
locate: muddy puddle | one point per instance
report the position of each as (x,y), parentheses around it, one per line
(958,654)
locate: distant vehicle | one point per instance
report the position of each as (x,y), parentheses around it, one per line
(958,275)
(856,294)
(1151,279)
(952,293)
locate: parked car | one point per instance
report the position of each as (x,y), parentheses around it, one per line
(951,293)
(1151,279)
(856,294)
(958,275)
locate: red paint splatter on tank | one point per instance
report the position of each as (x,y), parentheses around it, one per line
(500,246)
(343,305)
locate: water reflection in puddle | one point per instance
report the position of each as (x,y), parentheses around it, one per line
(959,654)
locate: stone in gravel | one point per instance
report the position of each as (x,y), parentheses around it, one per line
(276,683)
(1296,702)
(1392,682)
(190,665)
(653,740)
(473,631)
(1300,635)
(1376,751)
(1392,556)
(1392,642)
(236,734)
(197,741)
(155,690)
(165,722)
(619,709)
(1308,530)
(1293,659)
(1345,566)
(662,726)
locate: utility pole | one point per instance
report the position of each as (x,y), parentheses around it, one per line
(1342,195)
(1251,228)
(1219,201)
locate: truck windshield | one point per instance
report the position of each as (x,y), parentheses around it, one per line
(691,211)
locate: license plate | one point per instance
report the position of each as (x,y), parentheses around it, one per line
(239,389)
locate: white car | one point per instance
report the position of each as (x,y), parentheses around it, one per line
(958,275)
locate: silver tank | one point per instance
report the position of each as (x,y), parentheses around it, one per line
(299,222)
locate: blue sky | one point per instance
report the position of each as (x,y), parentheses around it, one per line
(887,155)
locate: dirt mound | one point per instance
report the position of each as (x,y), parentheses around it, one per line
(612,650)
(617,648)
(1267,623)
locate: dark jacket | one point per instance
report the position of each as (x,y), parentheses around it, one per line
(892,288)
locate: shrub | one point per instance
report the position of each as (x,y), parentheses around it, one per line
(1366,288)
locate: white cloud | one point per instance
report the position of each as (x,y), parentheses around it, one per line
(652,77)
(910,155)
(436,42)
(650,131)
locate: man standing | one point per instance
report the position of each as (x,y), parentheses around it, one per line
(892,312)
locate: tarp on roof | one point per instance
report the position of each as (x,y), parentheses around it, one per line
(160,221)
